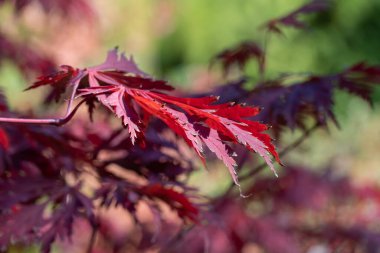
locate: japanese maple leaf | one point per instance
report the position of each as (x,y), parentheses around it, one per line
(293,18)
(292,105)
(4,141)
(176,200)
(132,95)
(240,55)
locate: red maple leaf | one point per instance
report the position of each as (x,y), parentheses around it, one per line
(132,95)
(4,141)
(174,199)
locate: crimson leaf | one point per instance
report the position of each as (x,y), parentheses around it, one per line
(132,95)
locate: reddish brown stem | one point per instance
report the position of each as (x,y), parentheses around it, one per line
(57,122)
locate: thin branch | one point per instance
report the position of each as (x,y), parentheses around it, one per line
(57,122)
(284,152)
(31,121)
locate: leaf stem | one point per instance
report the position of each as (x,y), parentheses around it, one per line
(57,122)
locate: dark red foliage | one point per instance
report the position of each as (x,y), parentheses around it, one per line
(293,19)
(294,217)
(38,163)
(115,192)
(4,142)
(174,199)
(235,233)
(359,80)
(303,189)
(3,103)
(55,179)
(58,81)
(28,223)
(240,55)
(291,105)
(150,162)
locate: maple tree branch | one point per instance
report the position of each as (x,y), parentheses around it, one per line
(58,121)
(284,152)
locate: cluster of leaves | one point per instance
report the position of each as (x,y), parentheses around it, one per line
(293,19)
(44,171)
(296,211)
(133,96)
(291,105)
(52,178)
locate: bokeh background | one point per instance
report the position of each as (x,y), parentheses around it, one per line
(176,40)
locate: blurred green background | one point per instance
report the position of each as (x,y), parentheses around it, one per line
(175,40)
